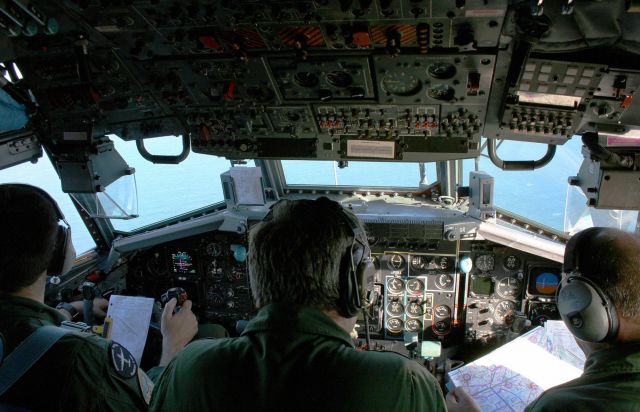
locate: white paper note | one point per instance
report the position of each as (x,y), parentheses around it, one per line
(131,317)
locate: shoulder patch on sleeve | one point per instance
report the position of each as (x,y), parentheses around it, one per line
(122,361)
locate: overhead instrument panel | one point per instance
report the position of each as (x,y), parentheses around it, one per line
(394,80)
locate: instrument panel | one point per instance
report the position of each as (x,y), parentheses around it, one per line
(504,284)
(210,267)
(421,289)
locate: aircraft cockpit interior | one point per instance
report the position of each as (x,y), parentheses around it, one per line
(472,139)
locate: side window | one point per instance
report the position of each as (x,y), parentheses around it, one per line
(43,175)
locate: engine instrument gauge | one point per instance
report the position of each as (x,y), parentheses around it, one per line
(485,263)
(442,70)
(413,325)
(508,288)
(503,311)
(214,272)
(441,92)
(213,249)
(442,311)
(418,262)
(444,281)
(414,309)
(394,325)
(395,285)
(306,79)
(395,308)
(512,262)
(444,262)
(400,84)
(415,286)
(396,262)
(339,78)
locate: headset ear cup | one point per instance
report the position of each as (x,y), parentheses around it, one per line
(69,257)
(64,253)
(586,310)
(366,273)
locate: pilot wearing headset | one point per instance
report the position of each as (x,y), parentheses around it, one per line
(309,262)
(599,301)
(80,372)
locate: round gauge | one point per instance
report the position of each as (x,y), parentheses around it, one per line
(441,92)
(444,281)
(156,265)
(418,262)
(395,262)
(413,325)
(339,78)
(213,271)
(394,325)
(306,79)
(442,311)
(395,285)
(414,309)
(508,288)
(395,308)
(234,275)
(415,286)
(441,327)
(485,263)
(441,70)
(400,84)
(444,262)
(512,262)
(504,310)
(213,249)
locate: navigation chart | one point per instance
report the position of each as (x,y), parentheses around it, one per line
(514,375)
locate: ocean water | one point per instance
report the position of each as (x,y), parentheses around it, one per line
(168,190)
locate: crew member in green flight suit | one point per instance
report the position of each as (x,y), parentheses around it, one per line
(80,372)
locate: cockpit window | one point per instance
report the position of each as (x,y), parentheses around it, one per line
(360,174)
(544,195)
(43,175)
(165,191)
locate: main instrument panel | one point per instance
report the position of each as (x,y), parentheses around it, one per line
(428,289)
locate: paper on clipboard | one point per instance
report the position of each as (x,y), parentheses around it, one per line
(131,317)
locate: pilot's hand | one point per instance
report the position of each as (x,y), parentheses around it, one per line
(459,400)
(177,329)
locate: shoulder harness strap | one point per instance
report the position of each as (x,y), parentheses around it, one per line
(27,354)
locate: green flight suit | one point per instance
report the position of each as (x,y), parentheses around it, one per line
(76,374)
(610,382)
(293,358)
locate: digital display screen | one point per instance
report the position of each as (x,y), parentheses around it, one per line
(543,281)
(481,285)
(182,262)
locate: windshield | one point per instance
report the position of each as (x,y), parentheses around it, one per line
(166,191)
(359,174)
(43,175)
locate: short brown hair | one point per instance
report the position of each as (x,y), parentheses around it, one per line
(28,228)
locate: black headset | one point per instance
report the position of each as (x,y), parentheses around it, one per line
(583,306)
(356,267)
(64,253)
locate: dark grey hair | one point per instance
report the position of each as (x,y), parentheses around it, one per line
(611,258)
(296,252)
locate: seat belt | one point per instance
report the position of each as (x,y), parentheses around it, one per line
(24,356)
